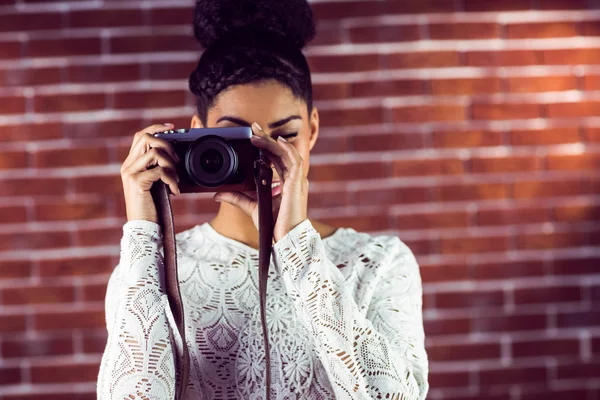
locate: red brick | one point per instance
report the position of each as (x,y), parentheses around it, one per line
(505,164)
(65,373)
(589,28)
(575,265)
(153,43)
(592,134)
(424,59)
(10,376)
(150,99)
(465,86)
(574,162)
(103,73)
(505,111)
(13,214)
(512,216)
(432,220)
(509,323)
(30,21)
(547,294)
(31,76)
(578,319)
(328,199)
(338,10)
(64,47)
(467,139)
(328,34)
(386,141)
(34,240)
(71,211)
(337,172)
(474,245)
(351,117)
(422,247)
(367,223)
(384,33)
(458,31)
(575,211)
(9,49)
(113,128)
(564,5)
(12,105)
(444,272)
(551,347)
(170,15)
(508,270)
(99,184)
(496,58)
(391,88)
(552,240)
(329,91)
(94,343)
(555,394)
(24,132)
(513,375)
(83,266)
(12,323)
(545,136)
(426,167)
(540,30)
(471,191)
(70,157)
(547,188)
(56,394)
(591,82)
(69,102)
(15,269)
(469,299)
(505,5)
(21,348)
(419,6)
(69,320)
(344,63)
(571,56)
(324,145)
(448,379)
(400,195)
(446,326)
(571,110)
(33,187)
(94,292)
(105,18)
(38,295)
(529,84)
(466,351)
(98,236)
(429,113)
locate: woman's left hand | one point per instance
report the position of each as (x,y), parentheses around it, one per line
(294,185)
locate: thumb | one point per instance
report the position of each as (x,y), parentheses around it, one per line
(240,200)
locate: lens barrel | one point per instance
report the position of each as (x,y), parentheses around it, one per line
(210,161)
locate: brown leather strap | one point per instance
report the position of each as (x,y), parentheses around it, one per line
(263,177)
(161,199)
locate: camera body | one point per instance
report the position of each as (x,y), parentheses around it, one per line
(213,159)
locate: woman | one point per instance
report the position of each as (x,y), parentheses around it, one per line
(343,308)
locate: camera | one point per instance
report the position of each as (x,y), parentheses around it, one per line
(213,159)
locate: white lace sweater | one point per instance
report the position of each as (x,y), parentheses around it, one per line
(344,318)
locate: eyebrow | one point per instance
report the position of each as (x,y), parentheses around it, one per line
(272,125)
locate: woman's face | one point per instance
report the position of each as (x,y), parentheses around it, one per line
(274,107)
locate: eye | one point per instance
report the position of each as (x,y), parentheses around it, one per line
(286,136)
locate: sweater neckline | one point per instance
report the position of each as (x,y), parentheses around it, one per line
(208,229)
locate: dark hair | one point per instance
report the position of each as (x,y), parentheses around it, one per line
(249,41)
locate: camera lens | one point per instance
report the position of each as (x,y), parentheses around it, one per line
(210,161)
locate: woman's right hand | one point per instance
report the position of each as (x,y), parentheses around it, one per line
(149,160)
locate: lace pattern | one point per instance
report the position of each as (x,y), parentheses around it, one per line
(343,313)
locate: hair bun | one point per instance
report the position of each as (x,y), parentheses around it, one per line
(291,19)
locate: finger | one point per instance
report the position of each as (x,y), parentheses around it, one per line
(145,179)
(154,157)
(238,199)
(151,129)
(145,144)
(276,153)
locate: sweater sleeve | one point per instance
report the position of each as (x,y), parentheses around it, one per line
(377,355)
(138,361)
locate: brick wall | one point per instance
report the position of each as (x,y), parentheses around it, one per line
(468,127)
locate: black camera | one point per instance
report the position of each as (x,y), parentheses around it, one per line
(213,159)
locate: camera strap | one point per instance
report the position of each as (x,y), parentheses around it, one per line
(263,177)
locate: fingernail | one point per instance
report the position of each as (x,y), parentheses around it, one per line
(256,126)
(282,139)
(168,124)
